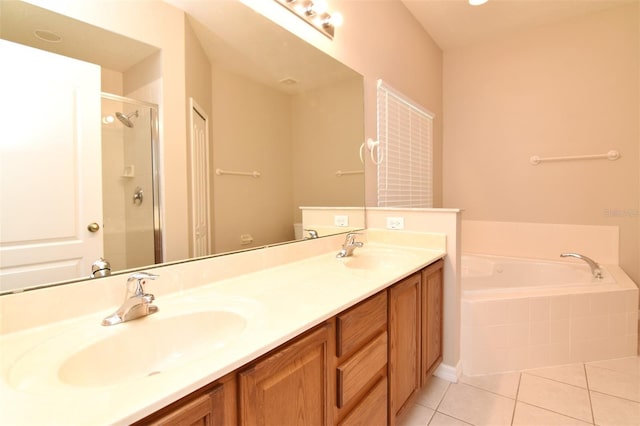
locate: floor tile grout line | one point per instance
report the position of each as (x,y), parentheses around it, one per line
(440,402)
(515,403)
(614,396)
(448,415)
(556,412)
(586,379)
(554,380)
(622,373)
(486,390)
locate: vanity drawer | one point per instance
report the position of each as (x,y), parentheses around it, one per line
(361,368)
(360,323)
(372,410)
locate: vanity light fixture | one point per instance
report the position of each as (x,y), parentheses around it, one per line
(477,2)
(314,12)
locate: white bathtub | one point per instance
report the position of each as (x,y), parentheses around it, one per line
(497,273)
(519,313)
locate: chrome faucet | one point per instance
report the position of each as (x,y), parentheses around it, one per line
(136,303)
(349,245)
(312,234)
(595,268)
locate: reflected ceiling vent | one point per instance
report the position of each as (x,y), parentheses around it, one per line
(288,81)
(47,36)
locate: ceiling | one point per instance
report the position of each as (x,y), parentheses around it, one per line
(454,23)
(20,20)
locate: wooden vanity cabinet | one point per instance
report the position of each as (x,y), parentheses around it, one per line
(432,295)
(360,367)
(213,405)
(415,334)
(292,384)
(404,342)
(361,371)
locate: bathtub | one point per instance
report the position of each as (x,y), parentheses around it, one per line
(518,314)
(497,273)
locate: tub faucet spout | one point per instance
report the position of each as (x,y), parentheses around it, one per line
(595,268)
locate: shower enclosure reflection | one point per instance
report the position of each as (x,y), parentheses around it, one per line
(129,188)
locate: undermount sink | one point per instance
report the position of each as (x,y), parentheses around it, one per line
(136,349)
(373,259)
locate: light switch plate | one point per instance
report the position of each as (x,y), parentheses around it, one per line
(341,220)
(395,222)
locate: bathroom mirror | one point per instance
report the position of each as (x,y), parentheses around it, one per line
(273,104)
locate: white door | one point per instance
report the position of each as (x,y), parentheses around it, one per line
(50,170)
(200,204)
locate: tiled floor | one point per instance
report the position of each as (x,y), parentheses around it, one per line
(594,393)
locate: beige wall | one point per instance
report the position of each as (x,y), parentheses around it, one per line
(324,140)
(566,89)
(379,39)
(247,136)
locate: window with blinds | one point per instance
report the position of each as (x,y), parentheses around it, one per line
(405,134)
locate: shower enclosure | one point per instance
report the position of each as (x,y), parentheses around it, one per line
(130,194)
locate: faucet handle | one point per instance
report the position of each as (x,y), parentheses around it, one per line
(142,275)
(350,240)
(138,280)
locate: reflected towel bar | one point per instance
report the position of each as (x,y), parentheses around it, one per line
(611,155)
(221,172)
(349,172)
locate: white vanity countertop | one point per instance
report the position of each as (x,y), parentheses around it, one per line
(277,303)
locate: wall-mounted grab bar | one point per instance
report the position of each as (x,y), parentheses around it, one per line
(611,155)
(221,172)
(340,173)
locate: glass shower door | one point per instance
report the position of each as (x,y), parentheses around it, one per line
(129,184)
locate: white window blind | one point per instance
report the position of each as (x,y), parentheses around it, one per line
(405,133)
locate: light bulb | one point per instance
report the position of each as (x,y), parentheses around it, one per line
(319,6)
(336,19)
(477,2)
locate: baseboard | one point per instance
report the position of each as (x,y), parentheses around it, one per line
(448,372)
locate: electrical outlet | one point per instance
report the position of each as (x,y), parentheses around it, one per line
(396,222)
(246,239)
(341,220)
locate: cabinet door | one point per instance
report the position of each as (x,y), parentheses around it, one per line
(214,405)
(431,319)
(291,386)
(404,339)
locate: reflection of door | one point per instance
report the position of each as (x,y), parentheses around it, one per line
(200,208)
(50,187)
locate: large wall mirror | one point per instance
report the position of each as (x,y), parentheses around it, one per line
(271,123)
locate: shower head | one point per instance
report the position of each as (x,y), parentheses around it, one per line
(126,119)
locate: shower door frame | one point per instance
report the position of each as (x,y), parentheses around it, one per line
(155,166)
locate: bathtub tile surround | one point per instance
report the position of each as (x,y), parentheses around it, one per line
(509,326)
(529,331)
(594,393)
